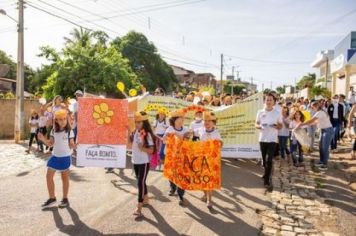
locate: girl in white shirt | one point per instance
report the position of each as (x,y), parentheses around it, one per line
(33,121)
(209,132)
(42,123)
(176,127)
(142,140)
(160,128)
(196,124)
(295,146)
(62,141)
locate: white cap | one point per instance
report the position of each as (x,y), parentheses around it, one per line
(78,92)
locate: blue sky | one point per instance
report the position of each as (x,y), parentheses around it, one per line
(269,40)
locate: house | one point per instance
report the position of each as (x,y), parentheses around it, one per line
(183,75)
(7,85)
(322,65)
(193,81)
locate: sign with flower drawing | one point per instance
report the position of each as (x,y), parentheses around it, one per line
(102,132)
(193,165)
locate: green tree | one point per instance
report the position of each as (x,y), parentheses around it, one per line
(320,91)
(151,69)
(86,62)
(236,88)
(306,81)
(29,72)
(280,89)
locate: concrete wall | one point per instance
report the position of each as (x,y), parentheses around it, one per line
(7,117)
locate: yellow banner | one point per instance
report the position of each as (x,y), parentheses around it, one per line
(193,165)
(236,123)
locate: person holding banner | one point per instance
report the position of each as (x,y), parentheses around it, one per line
(326,135)
(295,145)
(268,121)
(176,127)
(142,140)
(209,132)
(62,141)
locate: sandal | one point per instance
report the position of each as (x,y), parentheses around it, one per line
(138,214)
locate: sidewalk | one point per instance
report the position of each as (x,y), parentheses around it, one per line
(303,205)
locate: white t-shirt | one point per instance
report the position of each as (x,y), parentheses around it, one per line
(322,119)
(42,121)
(267,119)
(138,156)
(33,121)
(61,143)
(284,131)
(172,130)
(351,97)
(195,126)
(336,110)
(208,135)
(160,127)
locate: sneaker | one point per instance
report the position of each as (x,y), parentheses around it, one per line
(319,164)
(64,203)
(323,167)
(181,202)
(50,202)
(171,193)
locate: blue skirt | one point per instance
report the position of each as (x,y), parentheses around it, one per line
(59,163)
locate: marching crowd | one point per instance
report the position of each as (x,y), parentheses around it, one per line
(278,123)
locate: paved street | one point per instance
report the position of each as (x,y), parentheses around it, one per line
(305,201)
(102,204)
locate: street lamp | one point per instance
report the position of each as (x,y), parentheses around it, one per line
(3,12)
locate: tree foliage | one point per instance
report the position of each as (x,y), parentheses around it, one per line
(151,70)
(320,91)
(235,88)
(280,90)
(88,63)
(29,85)
(306,81)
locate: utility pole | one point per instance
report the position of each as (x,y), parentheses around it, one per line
(221,71)
(327,72)
(19,109)
(233,72)
(263,87)
(251,86)
(271,84)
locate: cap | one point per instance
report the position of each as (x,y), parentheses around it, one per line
(177,113)
(139,117)
(60,114)
(78,92)
(207,115)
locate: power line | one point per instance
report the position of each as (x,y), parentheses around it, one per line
(133,46)
(267,61)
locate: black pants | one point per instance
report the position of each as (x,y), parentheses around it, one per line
(42,130)
(141,171)
(33,136)
(179,190)
(268,151)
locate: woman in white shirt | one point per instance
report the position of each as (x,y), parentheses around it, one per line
(268,121)
(209,132)
(322,119)
(160,128)
(283,133)
(33,121)
(176,127)
(142,140)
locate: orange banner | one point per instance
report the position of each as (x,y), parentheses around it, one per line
(193,165)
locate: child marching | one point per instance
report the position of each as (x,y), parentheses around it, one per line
(62,141)
(197,124)
(176,127)
(142,140)
(160,128)
(209,132)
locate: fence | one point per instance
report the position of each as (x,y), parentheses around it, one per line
(7,117)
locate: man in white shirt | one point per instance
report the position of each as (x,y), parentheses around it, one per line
(351,96)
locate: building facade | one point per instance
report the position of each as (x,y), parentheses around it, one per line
(343,66)
(323,71)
